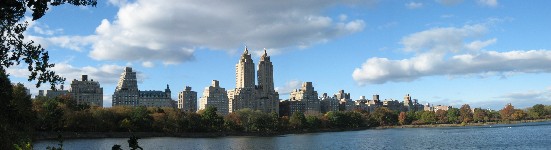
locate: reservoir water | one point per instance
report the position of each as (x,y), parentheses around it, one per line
(509,136)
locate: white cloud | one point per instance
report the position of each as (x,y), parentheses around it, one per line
(448,39)
(288,87)
(414,5)
(105,74)
(477,45)
(447,52)
(148,64)
(489,3)
(170,31)
(117,2)
(449,2)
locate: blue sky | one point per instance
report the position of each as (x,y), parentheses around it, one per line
(482,52)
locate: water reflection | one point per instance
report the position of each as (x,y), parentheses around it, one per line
(518,136)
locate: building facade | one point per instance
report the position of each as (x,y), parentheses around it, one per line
(307,97)
(187,100)
(246,94)
(346,104)
(153,98)
(87,91)
(54,93)
(328,103)
(127,93)
(216,96)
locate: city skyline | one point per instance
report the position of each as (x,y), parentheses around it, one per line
(484,53)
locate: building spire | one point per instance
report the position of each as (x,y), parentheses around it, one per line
(246,50)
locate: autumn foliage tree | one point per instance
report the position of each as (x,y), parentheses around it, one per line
(507,112)
(465,113)
(402,118)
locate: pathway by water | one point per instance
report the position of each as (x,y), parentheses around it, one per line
(515,136)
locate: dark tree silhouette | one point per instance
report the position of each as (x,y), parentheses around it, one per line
(13,47)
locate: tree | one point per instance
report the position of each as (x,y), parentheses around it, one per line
(313,122)
(537,111)
(211,120)
(441,116)
(428,117)
(297,120)
(453,115)
(465,113)
(480,115)
(506,112)
(385,116)
(402,118)
(14,129)
(518,115)
(13,46)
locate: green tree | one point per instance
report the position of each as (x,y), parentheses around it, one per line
(211,120)
(480,115)
(297,121)
(385,116)
(313,122)
(141,119)
(537,111)
(428,117)
(453,115)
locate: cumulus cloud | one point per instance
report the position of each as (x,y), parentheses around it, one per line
(414,5)
(450,39)
(288,87)
(170,31)
(489,3)
(447,51)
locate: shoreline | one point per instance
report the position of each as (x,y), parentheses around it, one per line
(38,136)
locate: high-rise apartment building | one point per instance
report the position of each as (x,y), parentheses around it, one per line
(127,93)
(308,97)
(187,100)
(216,96)
(87,91)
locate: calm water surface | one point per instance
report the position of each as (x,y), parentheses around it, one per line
(516,136)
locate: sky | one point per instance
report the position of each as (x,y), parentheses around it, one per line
(485,53)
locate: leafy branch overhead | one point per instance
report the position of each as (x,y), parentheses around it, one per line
(13,46)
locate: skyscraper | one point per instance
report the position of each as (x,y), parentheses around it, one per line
(268,98)
(248,95)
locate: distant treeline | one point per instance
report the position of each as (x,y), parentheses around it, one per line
(23,116)
(63,114)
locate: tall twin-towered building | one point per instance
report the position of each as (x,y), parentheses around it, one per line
(246,94)
(127,93)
